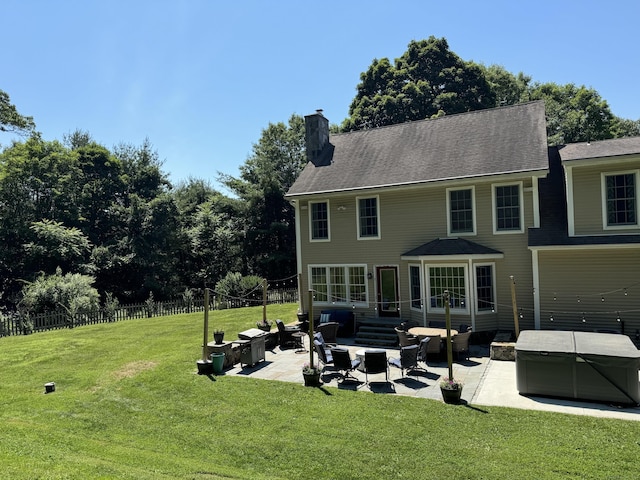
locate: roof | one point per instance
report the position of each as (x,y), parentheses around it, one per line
(449,247)
(468,145)
(600,149)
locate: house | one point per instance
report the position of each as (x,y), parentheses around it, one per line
(475,204)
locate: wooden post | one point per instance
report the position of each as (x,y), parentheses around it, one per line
(264,301)
(514,306)
(310,328)
(300,296)
(447,316)
(206,324)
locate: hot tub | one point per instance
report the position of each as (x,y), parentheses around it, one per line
(579,365)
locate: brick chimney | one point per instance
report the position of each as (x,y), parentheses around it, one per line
(316,135)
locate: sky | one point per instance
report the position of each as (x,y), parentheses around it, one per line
(201,79)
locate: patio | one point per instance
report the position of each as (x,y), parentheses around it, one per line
(486,382)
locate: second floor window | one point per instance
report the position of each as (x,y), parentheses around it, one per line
(507,208)
(319,221)
(621,200)
(368,218)
(461,211)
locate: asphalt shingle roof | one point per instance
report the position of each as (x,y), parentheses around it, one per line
(600,149)
(450,246)
(475,144)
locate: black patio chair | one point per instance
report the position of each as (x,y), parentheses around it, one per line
(343,362)
(405,338)
(376,362)
(408,359)
(324,356)
(286,334)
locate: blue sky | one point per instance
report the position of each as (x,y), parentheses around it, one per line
(202,78)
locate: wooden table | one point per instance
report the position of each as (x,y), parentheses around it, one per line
(422,332)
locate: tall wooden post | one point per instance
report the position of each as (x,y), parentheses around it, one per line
(514,306)
(300,296)
(310,328)
(264,301)
(206,324)
(447,316)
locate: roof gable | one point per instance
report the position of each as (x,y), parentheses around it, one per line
(469,145)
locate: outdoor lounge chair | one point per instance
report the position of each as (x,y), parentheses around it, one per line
(329,331)
(286,334)
(460,344)
(376,362)
(324,356)
(405,338)
(408,359)
(343,362)
(431,346)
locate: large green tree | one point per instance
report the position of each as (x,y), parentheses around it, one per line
(268,218)
(428,80)
(11,120)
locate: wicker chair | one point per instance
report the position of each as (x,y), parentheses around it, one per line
(405,339)
(324,355)
(286,334)
(376,362)
(329,332)
(429,345)
(460,344)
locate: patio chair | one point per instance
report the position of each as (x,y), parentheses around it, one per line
(408,359)
(463,328)
(376,362)
(429,345)
(405,338)
(329,331)
(286,334)
(460,344)
(343,362)
(324,356)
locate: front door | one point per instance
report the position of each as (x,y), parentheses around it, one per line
(388,305)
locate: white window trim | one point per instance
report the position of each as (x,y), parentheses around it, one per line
(311,239)
(473,213)
(327,266)
(377,197)
(603,188)
(416,265)
(468,288)
(494,207)
(493,288)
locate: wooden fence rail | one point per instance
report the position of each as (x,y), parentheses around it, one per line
(24,323)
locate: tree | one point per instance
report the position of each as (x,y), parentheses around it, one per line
(268,219)
(508,88)
(11,120)
(574,114)
(428,80)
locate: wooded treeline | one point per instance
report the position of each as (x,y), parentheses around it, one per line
(81,223)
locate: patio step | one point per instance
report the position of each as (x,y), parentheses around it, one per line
(379,335)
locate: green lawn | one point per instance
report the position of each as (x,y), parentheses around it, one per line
(129,405)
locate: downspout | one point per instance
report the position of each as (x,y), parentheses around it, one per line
(536,289)
(472,299)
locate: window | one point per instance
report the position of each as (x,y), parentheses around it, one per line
(319,220)
(339,284)
(451,278)
(621,199)
(415,288)
(461,211)
(368,219)
(485,301)
(507,200)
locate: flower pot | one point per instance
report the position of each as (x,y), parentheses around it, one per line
(205,367)
(451,396)
(311,379)
(217,360)
(218,337)
(263,327)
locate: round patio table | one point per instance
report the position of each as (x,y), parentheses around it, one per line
(422,332)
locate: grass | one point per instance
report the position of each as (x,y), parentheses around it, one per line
(129,405)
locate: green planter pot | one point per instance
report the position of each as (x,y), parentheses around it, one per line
(451,396)
(217,359)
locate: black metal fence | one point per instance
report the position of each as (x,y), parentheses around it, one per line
(24,323)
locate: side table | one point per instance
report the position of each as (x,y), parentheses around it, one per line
(299,336)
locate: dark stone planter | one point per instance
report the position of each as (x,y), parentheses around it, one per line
(311,379)
(205,367)
(218,338)
(264,328)
(451,396)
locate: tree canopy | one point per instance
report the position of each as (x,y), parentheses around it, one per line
(11,120)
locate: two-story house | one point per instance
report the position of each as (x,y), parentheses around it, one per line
(476,204)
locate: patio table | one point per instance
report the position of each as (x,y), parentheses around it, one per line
(422,332)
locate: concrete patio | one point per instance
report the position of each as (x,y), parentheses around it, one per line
(486,382)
